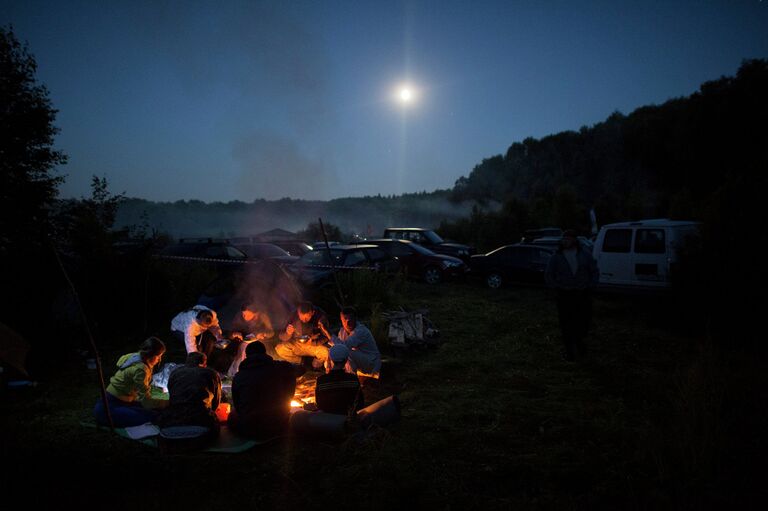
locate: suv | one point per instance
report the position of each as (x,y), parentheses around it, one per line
(314,268)
(217,252)
(420,262)
(431,240)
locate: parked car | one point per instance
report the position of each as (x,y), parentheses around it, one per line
(260,251)
(522,263)
(533,234)
(640,255)
(431,240)
(554,242)
(315,269)
(420,262)
(205,250)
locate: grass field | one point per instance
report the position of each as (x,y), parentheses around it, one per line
(493,418)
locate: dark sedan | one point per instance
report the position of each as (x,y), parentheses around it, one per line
(512,263)
(421,262)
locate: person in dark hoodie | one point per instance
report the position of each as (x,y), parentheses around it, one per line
(573,273)
(338,391)
(261,394)
(194,394)
(128,392)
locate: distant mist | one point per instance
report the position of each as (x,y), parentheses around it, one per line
(366,216)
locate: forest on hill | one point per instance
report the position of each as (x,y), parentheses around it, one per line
(700,157)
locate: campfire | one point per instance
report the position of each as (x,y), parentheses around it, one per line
(305,391)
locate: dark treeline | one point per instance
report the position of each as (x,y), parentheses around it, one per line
(689,158)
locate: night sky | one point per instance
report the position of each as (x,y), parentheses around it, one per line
(232,100)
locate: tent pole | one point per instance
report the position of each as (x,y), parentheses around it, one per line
(102,387)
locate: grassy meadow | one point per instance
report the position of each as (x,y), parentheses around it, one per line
(492,418)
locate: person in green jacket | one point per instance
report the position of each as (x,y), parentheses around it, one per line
(128,392)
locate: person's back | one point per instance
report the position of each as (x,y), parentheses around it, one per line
(261,393)
(195,393)
(337,391)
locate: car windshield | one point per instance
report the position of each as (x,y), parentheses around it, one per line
(421,250)
(320,257)
(267,251)
(433,237)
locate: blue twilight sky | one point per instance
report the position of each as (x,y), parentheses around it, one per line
(243,99)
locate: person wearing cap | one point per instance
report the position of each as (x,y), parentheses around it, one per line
(199,328)
(364,353)
(261,394)
(194,394)
(572,273)
(338,391)
(305,335)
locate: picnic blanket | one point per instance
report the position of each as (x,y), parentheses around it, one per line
(227,441)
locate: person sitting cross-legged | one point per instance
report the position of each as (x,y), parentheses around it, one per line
(305,335)
(128,392)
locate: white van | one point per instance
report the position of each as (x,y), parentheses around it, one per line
(639,255)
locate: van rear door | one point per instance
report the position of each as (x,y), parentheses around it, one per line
(614,259)
(651,263)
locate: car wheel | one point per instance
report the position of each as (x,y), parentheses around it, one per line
(493,280)
(432,275)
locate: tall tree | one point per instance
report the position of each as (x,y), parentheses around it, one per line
(28,184)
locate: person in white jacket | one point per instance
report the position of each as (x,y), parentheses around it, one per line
(364,353)
(199,328)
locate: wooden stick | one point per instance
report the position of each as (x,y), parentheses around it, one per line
(102,387)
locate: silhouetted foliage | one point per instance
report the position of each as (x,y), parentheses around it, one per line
(28,185)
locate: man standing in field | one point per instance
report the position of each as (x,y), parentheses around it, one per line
(572,272)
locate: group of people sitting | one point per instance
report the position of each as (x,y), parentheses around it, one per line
(262,387)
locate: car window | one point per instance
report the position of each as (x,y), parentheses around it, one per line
(355,258)
(417,237)
(235,253)
(398,249)
(617,240)
(420,249)
(433,237)
(315,257)
(513,254)
(217,251)
(376,254)
(649,241)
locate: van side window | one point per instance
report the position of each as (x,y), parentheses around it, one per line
(617,240)
(649,241)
